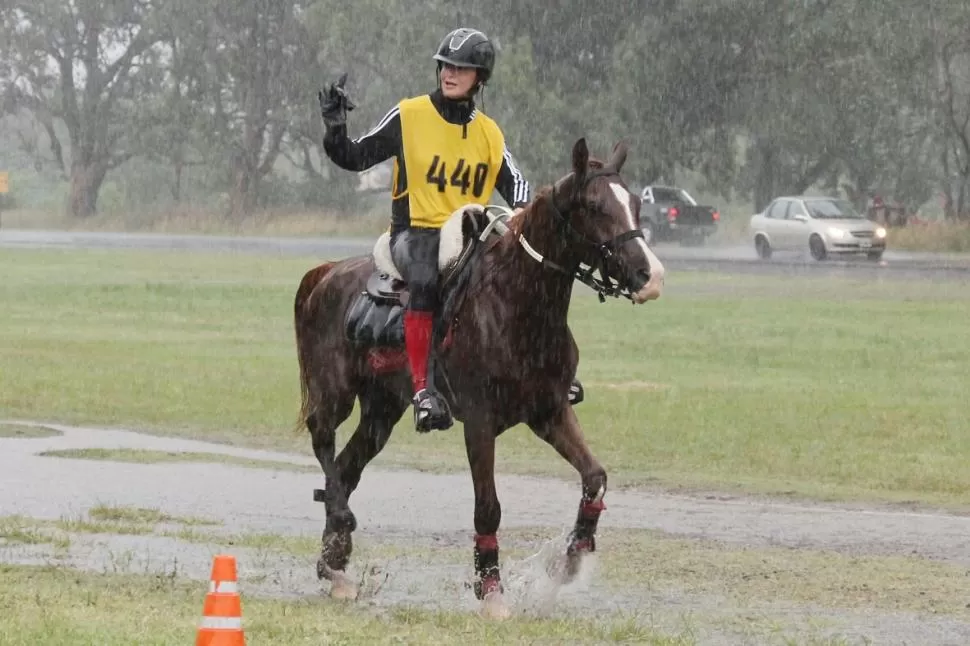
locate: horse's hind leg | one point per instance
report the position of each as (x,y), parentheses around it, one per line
(322,423)
(379,412)
(563,433)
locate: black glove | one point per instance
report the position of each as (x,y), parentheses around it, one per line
(335,104)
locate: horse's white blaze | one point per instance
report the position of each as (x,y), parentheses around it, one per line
(650,291)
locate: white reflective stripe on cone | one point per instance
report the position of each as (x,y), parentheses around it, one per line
(221,623)
(224,586)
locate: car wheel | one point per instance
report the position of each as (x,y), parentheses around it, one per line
(817,248)
(874,255)
(762,247)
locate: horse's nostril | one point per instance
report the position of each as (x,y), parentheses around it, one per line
(644,275)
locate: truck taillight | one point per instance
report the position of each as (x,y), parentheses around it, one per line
(717,216)
(671,214)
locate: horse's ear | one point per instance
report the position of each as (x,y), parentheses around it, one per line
(580,157)
(618,157)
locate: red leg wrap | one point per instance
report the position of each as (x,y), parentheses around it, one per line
(486,542)
(592,508)
(417,341)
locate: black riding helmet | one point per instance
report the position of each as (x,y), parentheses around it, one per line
(465,47)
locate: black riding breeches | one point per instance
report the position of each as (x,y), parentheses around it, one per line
(415,254)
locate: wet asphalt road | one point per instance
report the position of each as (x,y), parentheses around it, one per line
(732,259)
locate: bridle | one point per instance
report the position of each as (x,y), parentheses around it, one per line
(601,252)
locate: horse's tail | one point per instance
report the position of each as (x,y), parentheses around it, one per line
(303,327)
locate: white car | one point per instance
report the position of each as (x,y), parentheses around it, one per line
(823,225)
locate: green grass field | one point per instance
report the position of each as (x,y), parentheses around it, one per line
(812,387)
(817,387)
(63,608)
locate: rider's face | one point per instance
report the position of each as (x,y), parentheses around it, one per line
(457,82)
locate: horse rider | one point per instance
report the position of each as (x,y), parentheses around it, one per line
(446,154)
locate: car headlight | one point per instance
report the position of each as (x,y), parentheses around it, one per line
(836,232)
(880,233)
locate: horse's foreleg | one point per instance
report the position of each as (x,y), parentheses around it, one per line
(563,433)
(480,447)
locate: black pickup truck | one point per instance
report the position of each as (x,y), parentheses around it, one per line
(670,213)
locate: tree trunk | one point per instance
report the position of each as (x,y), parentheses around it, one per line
(947,184)
(178,166)
(813,174)
(86,180)
(764,181)
(962,209)
(243,192)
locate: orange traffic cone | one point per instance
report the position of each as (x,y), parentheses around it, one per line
(222,612)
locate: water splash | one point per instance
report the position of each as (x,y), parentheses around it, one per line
(534,584)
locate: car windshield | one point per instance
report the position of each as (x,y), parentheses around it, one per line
(665,194)
(832,210)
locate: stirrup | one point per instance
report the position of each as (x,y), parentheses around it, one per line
(431,412)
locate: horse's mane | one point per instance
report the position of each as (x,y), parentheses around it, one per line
(544,192)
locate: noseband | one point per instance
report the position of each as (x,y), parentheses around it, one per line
(601,252)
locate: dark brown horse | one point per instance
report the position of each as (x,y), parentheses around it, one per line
(508,356)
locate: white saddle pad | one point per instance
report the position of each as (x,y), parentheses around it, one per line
(448,250)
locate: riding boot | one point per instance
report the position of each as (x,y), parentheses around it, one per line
(430,409)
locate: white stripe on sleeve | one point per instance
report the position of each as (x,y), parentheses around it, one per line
(521,192)
(393,112)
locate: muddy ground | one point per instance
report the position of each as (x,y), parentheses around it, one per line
(410,509)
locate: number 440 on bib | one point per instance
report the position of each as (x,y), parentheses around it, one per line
(461,176)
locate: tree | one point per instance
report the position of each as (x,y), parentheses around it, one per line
(88,64)
(250,57)
(952,99)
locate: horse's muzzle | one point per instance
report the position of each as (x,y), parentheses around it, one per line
(651,290)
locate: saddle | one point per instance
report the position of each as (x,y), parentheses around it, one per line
(375,319)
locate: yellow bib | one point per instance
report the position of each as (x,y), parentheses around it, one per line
(444,170)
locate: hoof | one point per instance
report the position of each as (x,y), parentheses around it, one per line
(571,566)
(334,554)
(560,570)
(563,570)
(494,607)
(324,571)
(342,588)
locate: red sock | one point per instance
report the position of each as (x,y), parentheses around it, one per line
(417,341)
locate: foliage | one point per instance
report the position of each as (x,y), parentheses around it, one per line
(754,99)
